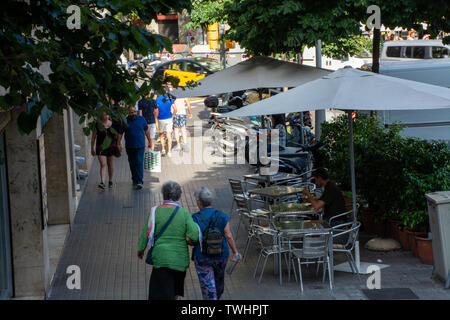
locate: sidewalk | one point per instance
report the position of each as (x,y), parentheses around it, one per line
(107,225)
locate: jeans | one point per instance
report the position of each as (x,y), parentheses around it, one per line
(136,161)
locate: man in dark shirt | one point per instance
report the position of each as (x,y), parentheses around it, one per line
(146,107)
(331,200)
(136,130)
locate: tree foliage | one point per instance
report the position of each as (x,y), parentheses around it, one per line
(352,45)
(279,26)
(206,12)
(82,61)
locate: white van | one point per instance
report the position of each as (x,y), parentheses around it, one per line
(414,50)
(424,124)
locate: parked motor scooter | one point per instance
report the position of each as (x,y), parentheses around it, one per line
(228,134)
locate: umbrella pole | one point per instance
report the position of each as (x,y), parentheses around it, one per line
(352,163)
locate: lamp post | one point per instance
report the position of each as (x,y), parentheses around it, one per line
(223,59)
(320,114)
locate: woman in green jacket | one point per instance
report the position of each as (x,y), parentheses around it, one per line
(170,253)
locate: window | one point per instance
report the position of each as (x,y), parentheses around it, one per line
(393,52)
(440,52)
(176,66)
(192,67)
(407,53)
(418,52)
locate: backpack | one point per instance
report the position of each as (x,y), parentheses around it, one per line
(212,243)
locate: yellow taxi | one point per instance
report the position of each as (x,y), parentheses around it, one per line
(187,69)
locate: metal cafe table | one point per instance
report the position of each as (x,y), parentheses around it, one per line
(294,211)
(275,193)
(267,180)
(296,228)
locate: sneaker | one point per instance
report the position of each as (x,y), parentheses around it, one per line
(139,186)
(163,152)
(169,154)
(101,185)
(177,148)
(110,184)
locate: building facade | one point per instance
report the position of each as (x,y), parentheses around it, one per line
(39,193)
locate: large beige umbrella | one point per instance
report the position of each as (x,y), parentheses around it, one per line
(257,72)
(350,89)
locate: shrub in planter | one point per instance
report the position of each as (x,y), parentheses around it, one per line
(392,173)
(377,163)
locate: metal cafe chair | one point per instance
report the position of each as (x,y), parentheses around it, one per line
(269,248)
(245,211)
(316,250)
(350,229)
(346,216)
(239,190)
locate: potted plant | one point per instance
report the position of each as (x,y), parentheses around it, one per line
(424,248)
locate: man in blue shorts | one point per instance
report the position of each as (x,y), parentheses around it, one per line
(164,121)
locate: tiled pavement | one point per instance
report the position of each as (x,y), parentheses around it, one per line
(105,232)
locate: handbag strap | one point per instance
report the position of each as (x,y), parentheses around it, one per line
(166,225)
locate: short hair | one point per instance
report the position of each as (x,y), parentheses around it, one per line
(321,173)
(204,195)
(171,191)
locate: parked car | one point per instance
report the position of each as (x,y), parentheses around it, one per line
(414,49)
(185,69)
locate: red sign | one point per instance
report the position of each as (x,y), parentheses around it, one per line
(170,16)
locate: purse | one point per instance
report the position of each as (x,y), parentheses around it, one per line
(149,259)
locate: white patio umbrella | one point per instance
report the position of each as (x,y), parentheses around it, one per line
(257,72)
(350,89)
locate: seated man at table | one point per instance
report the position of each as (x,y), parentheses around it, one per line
(331,200)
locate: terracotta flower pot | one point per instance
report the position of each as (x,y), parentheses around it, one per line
(392,229)
(412,241)
(403,238)
(425,249)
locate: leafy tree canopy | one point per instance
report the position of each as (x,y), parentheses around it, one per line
(278,26)
(352,45)
(83,61)
(205,12)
